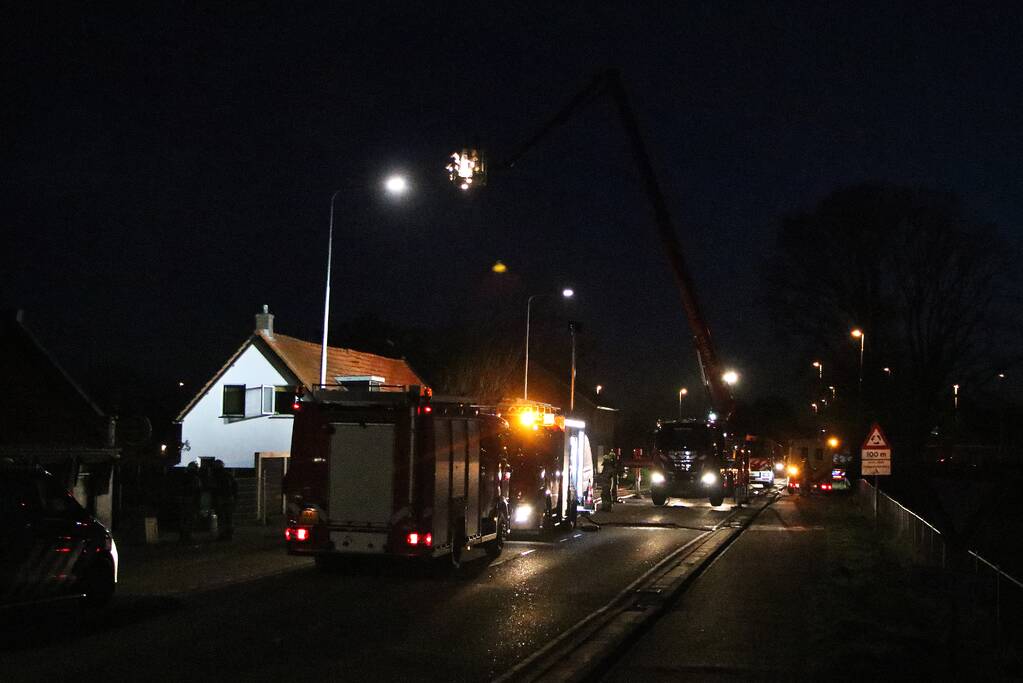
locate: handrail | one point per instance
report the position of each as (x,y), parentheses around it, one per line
(976,555)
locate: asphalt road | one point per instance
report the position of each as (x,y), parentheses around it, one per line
(373,620)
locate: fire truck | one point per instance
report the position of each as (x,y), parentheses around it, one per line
(765,460)
(394,471)
(550,473)
(689,460)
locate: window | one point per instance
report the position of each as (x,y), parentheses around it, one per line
(283,398)
(234,400)
(267,403)
(818,454)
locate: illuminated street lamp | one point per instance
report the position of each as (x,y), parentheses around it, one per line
(395,185)
(567,293)
(820,369)
(833,442)
(731,378)
(681,392)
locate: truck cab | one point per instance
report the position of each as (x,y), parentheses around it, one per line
(689,460)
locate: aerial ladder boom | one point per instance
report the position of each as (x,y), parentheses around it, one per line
(609,82)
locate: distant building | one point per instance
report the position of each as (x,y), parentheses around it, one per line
(46,418)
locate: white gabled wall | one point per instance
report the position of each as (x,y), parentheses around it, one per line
(236,440)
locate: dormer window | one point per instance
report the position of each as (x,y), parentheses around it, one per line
(360,382)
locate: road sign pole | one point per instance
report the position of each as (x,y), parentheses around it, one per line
(875,502)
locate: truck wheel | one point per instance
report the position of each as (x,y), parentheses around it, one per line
(717,499)
(658,497)
(495,546)
(458,543)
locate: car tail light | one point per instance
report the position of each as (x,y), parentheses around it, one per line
(412,538)
(298,534)
(428,540)
(287,534)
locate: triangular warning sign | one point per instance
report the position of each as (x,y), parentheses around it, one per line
(876,438)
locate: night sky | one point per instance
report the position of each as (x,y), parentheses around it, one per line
(168,169)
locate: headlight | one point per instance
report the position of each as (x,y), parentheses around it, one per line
(709,478)
(779,466)
(793,470)
(657,478)
(523,512)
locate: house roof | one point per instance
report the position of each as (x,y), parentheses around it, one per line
(301,359)
(43,404)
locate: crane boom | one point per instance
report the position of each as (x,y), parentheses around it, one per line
(610,82)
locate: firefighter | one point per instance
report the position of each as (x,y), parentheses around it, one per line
(225,494)
(610,470)
(191,490)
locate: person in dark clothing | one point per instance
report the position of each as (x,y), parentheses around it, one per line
(191,489)
(225,495)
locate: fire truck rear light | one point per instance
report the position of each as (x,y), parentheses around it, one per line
(428,540)
(301,534)
(412,538)
(287,534)
(427,409)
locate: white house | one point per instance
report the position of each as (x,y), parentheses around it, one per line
(244,409)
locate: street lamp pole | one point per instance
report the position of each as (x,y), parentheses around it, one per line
(326,291)
(567,293)
(525,378)
(571,391)
(861,335)
(395,185)
(681,392)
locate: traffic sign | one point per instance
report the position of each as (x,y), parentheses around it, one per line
(876,456)
(876,438)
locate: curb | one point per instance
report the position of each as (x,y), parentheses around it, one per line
(586,648)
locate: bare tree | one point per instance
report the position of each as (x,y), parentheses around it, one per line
(910,269)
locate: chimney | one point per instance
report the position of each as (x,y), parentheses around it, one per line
(265,321)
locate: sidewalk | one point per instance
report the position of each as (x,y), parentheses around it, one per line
(169,568)
(807,592)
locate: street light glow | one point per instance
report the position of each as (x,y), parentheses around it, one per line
(833,442)
(396,184)
(568,292)
(730,378)
(499,267)
(857,333)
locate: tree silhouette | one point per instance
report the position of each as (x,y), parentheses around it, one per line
(911,269)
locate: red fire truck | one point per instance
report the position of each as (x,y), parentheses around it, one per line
(551,473)
(393,471)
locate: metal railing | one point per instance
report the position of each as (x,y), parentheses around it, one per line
(983,583)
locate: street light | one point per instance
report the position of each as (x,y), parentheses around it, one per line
(395,185)
(820,369)
(857,333)
(731,378)
(681,392)
(567,293)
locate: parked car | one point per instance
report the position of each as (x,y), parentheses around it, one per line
(50,546)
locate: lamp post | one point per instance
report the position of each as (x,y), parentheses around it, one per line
(566,293)
(572,329)
(820,369)
(395,185)
(681,393)
(857,333)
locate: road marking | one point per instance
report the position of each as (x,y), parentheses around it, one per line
(775,527)
(526,552)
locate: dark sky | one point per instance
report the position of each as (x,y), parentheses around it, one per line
(168,169)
